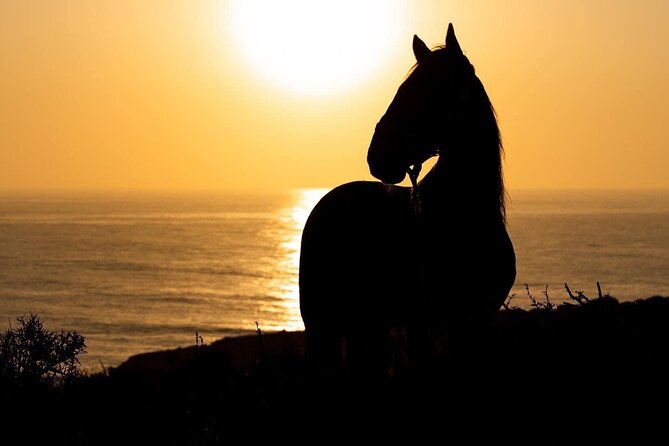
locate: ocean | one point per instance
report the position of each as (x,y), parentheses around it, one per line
(137,272)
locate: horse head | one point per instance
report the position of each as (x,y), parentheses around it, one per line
(424,118)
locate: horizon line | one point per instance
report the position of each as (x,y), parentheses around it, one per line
(260,190)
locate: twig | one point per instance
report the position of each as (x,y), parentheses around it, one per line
(259,344)
(535,303)
(571,296)
(506,304)
(599,290)
(549,305)
(104,369)
(527,289)
(581,298)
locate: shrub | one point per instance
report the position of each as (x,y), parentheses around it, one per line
(31,354)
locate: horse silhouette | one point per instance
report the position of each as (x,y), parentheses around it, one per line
(425,261)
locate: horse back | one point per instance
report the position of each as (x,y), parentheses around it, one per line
(355,255)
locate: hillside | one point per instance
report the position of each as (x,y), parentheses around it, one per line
(547,369)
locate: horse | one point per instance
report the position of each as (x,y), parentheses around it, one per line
(424,261)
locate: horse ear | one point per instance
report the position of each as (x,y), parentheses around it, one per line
(452,44)
(420,50)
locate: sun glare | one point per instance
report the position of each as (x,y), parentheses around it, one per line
(316,48)
(295,218)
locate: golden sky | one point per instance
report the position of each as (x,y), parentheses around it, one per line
(166,94)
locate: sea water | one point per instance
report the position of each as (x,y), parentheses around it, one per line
(136,272)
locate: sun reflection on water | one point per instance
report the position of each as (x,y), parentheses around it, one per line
(293,219)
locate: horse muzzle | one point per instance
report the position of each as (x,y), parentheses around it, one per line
(384,159)
(392,155)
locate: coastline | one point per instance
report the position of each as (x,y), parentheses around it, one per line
(243,350)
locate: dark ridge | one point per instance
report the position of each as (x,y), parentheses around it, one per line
(545,375)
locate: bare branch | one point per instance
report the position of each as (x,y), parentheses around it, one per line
(579,297)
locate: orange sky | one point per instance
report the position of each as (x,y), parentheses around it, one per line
(156,94)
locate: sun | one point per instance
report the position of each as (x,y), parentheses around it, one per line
(316,47)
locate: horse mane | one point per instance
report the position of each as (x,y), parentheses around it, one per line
(479,128)
(498,147)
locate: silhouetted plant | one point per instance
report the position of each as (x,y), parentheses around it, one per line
(507,304)
(579,297)
(31,354)
(548,305)
(260,348)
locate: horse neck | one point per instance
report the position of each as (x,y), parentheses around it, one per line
(459,187)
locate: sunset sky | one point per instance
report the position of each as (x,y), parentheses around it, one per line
(166,94)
